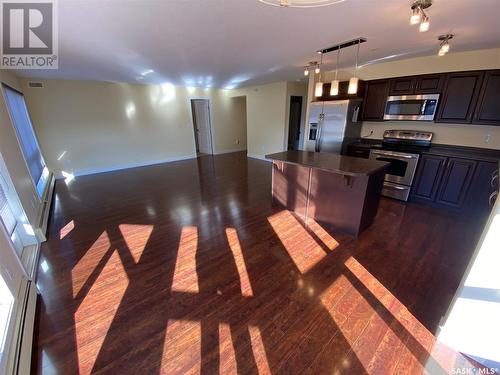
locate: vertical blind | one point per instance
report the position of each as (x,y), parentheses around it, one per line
(24,129)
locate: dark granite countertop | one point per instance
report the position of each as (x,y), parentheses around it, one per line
(476,153)
(346,165)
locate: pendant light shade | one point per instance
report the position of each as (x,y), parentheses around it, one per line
(318,90)
(334,88)
(353,85)
(306,71)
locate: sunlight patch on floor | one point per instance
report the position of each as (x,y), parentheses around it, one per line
(302,248)
(185,276)
(100,316)
(234,244)
(136,237)
(259,351)
(66,229)
(420,345)
(88,262)
(182,348)
(227,354)
(330,242)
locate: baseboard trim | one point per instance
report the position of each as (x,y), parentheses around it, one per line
(86,172)
(220,152)
(259,157)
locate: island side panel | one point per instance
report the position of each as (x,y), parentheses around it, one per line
(372,198)
(290,186)
(338,199)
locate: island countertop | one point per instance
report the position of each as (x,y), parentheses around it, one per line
(346,165)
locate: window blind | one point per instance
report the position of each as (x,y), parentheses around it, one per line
(6,213)
(26,135)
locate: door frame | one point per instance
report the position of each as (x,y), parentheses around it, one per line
(211,122)
(301,117)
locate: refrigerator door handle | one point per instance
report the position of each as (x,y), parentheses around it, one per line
(320,128)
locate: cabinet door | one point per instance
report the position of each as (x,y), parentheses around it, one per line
(402,86)
(456,182)
(429,172)
(429,84)
(375,98)
(488,105)
(459,98)
(481,188)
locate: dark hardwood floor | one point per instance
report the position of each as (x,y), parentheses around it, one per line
(186,267)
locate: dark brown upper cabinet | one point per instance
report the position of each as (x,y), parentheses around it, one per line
(402,86)
(488,105)
(376,93)
(429,84)
(459,97)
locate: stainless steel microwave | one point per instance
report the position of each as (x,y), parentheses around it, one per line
(411,107)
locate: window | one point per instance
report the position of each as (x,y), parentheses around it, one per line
(27,138)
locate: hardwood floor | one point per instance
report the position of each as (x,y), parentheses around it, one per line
(187,268)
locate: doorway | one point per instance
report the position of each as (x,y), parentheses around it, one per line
(200,109)
(294,122)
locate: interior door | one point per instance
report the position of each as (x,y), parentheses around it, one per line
(11,280)
(202,122)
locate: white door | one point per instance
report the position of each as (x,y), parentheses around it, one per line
(12,277)
(202,123)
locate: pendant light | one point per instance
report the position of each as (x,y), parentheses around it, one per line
(353,82)
(444,47)
(318,89)
(334,88)
(418,15)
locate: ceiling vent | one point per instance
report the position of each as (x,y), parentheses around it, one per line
(35,85)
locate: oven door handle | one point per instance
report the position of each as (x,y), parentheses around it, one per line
(394,155)
(395,187)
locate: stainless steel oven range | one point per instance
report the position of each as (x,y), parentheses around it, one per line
(401,149)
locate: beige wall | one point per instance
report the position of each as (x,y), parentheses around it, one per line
(13,157)
(87,127)
(266,117)
(454,134)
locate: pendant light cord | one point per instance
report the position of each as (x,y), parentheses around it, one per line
(357,54)
(337,65)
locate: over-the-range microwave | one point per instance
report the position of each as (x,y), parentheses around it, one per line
(411,107)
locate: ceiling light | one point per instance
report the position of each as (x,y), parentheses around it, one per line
(444,47)
(353,82)
(418,14)
(300,3)
(317,70)
(424,25)
(334,88)
(415,16)
(306,71)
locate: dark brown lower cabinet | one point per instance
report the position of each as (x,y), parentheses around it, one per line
(456,183)
(429,172)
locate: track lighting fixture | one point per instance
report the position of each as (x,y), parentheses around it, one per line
(444,47)
(311,65)
(418,14)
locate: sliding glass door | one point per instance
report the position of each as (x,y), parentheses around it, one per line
(12,280)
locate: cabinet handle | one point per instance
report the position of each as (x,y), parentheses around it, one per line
(493,198)
(494,176)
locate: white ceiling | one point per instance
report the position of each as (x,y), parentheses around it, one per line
(230,43)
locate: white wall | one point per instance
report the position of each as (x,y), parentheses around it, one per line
(87,127)
(453,134)
(13,157)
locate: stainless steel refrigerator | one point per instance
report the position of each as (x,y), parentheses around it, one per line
(332,124)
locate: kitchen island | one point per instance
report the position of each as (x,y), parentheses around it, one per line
(339,190)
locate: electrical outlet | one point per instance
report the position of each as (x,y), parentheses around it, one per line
(487,138)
